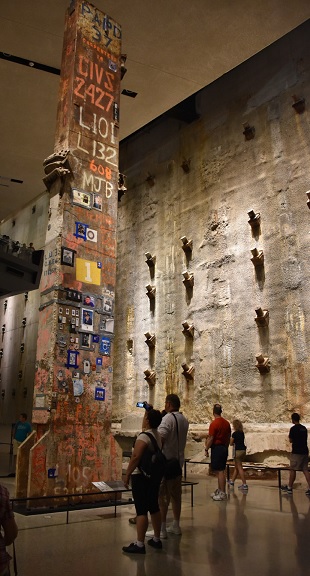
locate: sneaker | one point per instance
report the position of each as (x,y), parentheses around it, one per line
(308,492)
(243,487)
(158,545)
(134,549)
(174,530)
(230,483)
(220,496)
(214,493)
(150,534)
(287,489)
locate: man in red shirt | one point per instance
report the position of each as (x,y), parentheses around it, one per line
(218,440)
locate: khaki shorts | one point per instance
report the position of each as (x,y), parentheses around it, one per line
(240,455)
(299,461)
(170,490)
(16,445)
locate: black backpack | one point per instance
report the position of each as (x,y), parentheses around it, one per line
(153,464)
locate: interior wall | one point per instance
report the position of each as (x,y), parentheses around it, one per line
(228,176)
(17,368)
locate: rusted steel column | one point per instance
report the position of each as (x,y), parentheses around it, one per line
(73,386)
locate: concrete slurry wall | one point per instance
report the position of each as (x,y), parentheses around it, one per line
(228,175)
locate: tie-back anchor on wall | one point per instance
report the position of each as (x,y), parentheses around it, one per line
(188,371)
(299,104)
(257,257)
(150,376)
(186,165)
(151,291)
(187,245)
(150,260)
(188,329)
(249,131)
(262,364)
(262,317)
(150,339)
(254,219)
(188,279)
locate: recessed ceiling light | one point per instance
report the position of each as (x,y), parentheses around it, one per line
(129,93)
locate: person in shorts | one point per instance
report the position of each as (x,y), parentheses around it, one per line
(218,440)
(299,458)
(145,490)
(237,441)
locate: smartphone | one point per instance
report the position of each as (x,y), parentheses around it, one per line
(144,405)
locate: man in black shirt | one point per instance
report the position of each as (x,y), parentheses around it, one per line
(300,454)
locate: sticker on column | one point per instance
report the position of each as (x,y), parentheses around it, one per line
(105,346)
(97,202)
(87,320)
(81,198)
(87,271)
(99,394)
(89,300)
(72,358)
(91,235)
(78,386)
(86,366)
(67,256)
(98,364)
(81,230)
(107,325)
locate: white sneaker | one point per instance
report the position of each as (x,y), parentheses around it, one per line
(150,534)
(220,496)
(174,530)
(214,493)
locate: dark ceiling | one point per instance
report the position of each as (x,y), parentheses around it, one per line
(174,48)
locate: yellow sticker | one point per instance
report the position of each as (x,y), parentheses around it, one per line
(88,272)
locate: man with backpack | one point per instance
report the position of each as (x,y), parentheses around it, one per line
(146,468)
(173,431)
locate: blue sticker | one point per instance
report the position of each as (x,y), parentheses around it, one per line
(99,265)
(112,66)
(95,338)
(100,394)
(72,356)
(81,230)
(99,361)
(105,346)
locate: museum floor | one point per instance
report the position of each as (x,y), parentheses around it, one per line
(263,533)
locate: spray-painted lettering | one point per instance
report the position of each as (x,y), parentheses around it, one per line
(95,73)
(95,94)
(97,184)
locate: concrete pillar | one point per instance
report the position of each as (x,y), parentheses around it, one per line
(73,383)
